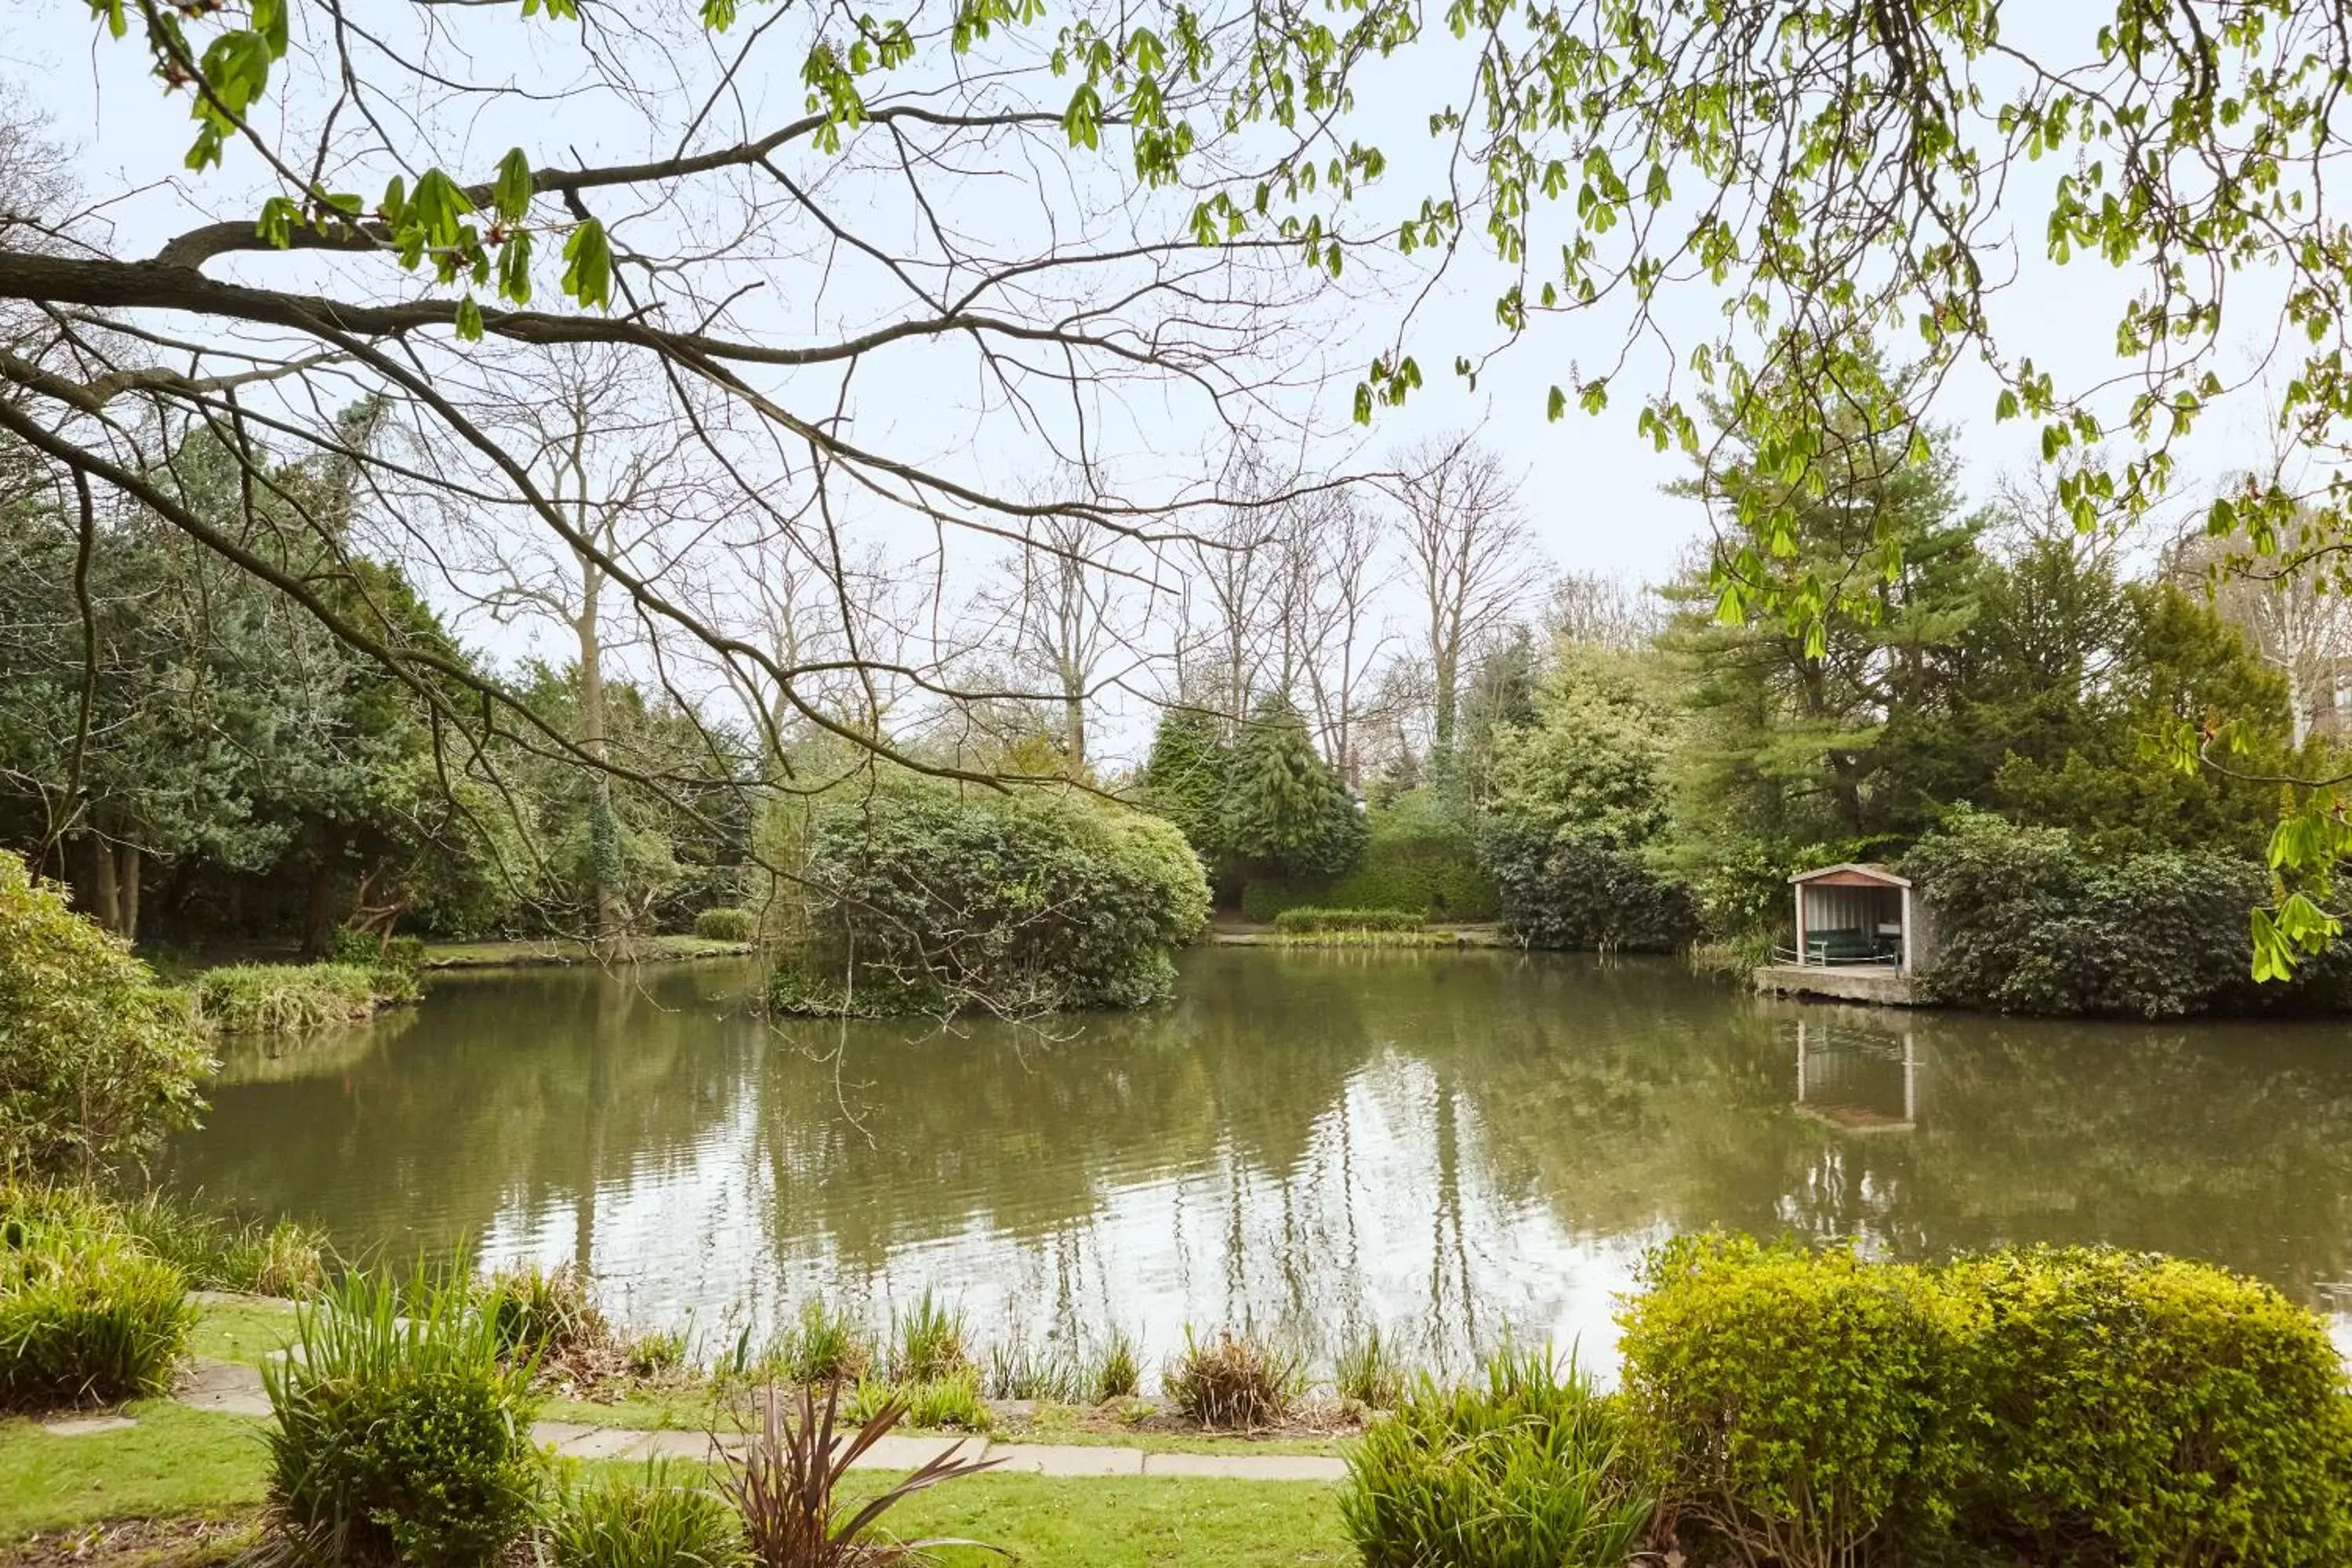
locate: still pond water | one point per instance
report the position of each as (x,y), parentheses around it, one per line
(1450,1145)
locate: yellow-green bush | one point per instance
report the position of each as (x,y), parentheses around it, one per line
(2086,1408)
(1419,856)
(86,1314)
(2134,1409)
(1797,1402)
(97,1062)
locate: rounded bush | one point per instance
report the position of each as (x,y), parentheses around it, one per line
(399,1433)
(725,925)
(2141,1410)
(1797,1402)
(85,1315)
(1530,1470)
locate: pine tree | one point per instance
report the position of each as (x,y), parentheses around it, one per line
(1285,808)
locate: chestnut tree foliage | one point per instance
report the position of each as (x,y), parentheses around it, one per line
(1735,194)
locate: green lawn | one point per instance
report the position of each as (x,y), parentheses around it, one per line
(176,1461)
(243,1331)
(179,1462)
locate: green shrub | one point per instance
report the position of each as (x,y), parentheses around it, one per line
(294,998)
(1529,1471)
(927,1344)
(2139,1410)
(86,1314)
(657,1353)
(620,1522)
(97,1062)
(285,1257)
(1369,1370)
(1586,894)
(1234,1382)
(1308,918)
(821,1347)
(2028,921)
(400,1430)
(1796,1401)
(726,925)
(1022,904)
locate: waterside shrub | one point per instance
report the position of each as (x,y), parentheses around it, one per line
(2087,1407)
(726,925)
(931,901)
(537,1312)
(87,1315)
(1369,1370)
(1586,894)
(401,1431)
(1530,1470)
(2029,921)
(295,998)
(98,1062)
(821,1346)
(1308,918)
(1115,1370)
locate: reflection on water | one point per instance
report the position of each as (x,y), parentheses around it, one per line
(1445,1143)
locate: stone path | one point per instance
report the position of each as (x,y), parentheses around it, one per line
(235,1390)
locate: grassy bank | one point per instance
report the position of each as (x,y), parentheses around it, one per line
(294,998)
(553,952)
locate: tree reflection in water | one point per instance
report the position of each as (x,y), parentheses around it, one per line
(1448,1145)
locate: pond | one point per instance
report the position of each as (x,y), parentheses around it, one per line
(1453,1145)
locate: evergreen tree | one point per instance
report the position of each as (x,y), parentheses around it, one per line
(1284,809)
(1185,778)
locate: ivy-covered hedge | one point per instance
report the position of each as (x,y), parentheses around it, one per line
(1580,893)
(927,900)
(2029,921)
(1418,857)
(2088,1407)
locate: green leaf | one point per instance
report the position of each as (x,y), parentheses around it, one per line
(588,264)
(469,321)
(278,216)
(512,193)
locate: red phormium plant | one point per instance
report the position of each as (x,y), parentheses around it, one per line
(785,1481)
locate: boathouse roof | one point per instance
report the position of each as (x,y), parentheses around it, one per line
(1851,874)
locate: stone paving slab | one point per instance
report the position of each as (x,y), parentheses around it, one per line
(87,1426)
(1066,1459)
(226,1386)
(1249,1466)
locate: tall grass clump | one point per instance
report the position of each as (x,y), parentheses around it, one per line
(927,1344)
(1116,1370)
(541,1313)
(402,1432)
(822,1346)
(87,1316)
(1018,1370)
(217,1252)
(787,1484)
(295,998)
(952,1403)
(1531,1470)
(1369,1370)
(619,1521)
(1234,1382)
(725,925)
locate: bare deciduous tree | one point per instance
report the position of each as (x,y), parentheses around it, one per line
(1471,558)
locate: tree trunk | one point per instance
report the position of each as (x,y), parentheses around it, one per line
(1074,723)
(104,892)
(127,861)
(320,912)
(603,827)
